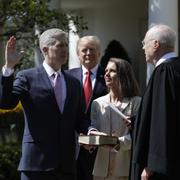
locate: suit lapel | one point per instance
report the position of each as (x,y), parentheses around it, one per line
(99,82)
(79,75)
(69,91)
(124,104)
(46,83)
(98,86)
(107,114)
(44,78)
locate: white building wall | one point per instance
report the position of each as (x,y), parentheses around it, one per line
(163,12)
(117,20)
(125,21)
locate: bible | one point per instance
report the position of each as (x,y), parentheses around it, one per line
(98,140)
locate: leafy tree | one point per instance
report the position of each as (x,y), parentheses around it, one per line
(23,18)
(9,159)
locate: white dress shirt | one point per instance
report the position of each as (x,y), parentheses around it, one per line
(50,71)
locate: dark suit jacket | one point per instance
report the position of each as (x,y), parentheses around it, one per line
(49,138)
(100,88)
(85,161)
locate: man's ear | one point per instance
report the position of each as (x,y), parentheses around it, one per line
(156,43)
(77,52)
(45,49)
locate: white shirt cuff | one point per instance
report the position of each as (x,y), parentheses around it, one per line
(7,71)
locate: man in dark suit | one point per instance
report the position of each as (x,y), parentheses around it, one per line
(88,51)
(48,147)
(157,127)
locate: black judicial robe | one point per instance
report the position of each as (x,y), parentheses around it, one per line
(156,137)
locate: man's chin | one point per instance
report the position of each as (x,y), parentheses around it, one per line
(88,61)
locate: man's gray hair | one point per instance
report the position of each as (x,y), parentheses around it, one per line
(94,39)
(49,37)
(164,34)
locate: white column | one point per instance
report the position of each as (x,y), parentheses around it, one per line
(163,12)
(73,38)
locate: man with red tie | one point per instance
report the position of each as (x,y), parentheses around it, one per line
(90,74)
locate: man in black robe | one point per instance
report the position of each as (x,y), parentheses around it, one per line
(156,136)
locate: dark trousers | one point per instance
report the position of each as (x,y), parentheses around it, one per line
(27,175)
(85,164)
(160,177)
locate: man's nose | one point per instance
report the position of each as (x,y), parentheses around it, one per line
(88,51)
(107,73)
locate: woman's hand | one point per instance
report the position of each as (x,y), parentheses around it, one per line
(128,122)
(89,148)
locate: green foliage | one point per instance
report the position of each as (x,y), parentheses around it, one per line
(26,19)
(28,57)
(21,16)
(11,129)
(9,159)
(11,125)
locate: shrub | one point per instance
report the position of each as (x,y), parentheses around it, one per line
(11,124)
(9,159)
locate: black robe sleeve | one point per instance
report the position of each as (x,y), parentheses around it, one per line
(157,128)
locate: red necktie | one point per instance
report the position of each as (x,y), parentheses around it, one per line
(87,87)
(58,89)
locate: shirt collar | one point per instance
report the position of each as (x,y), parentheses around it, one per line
(50,71)
(93,70)
(165,57)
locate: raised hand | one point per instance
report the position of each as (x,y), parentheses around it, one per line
(12,57)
